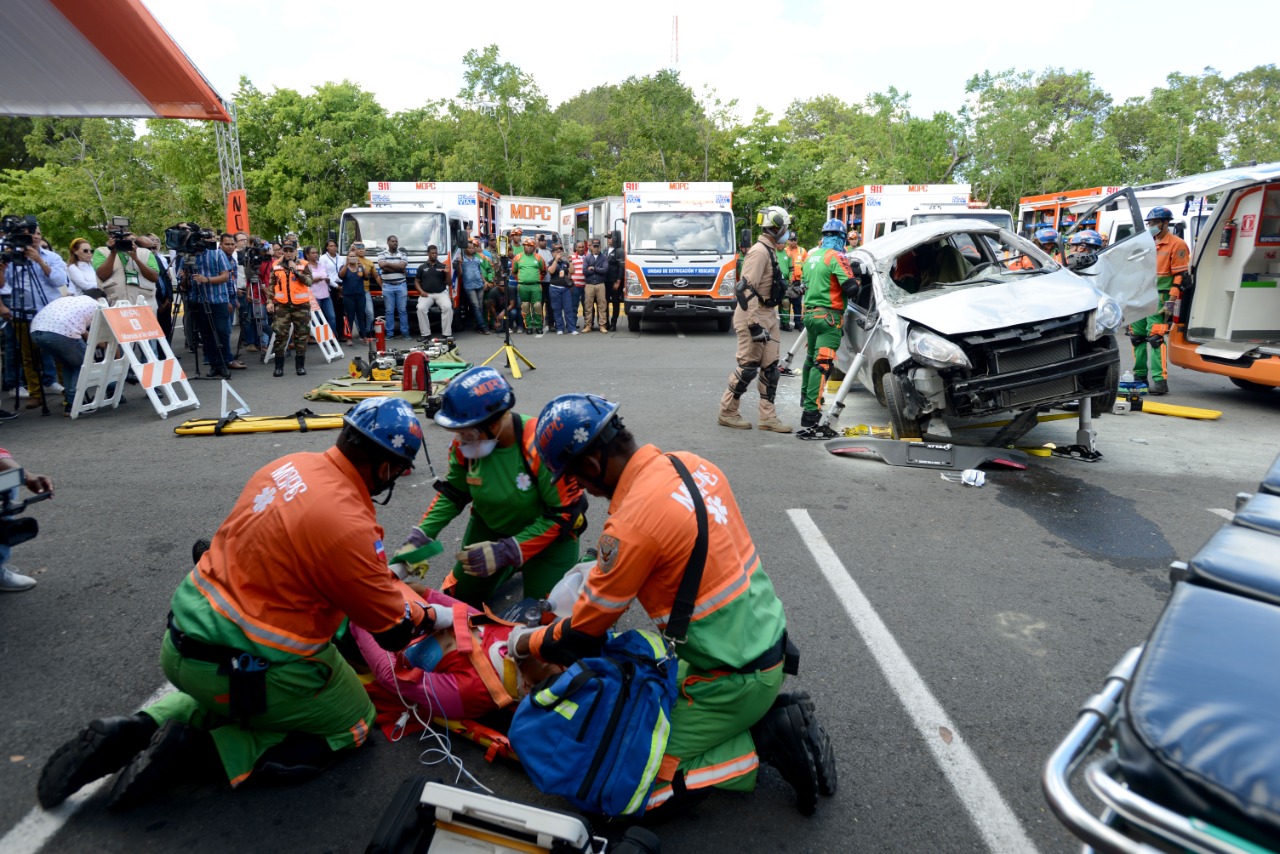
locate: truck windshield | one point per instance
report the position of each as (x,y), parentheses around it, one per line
(416,230)
(681,231)
(1003,220)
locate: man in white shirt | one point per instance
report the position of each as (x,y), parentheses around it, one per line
(60,329)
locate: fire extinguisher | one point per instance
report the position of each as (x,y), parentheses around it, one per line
(380,334)
(1228,242)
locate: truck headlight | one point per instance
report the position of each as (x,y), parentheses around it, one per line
(728,284)
(633,285)
(1103,319)
(936,351)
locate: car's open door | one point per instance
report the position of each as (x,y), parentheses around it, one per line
(1125,270)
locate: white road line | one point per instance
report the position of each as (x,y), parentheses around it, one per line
(38,826)
(1225,514)
(995,821)
(679,334)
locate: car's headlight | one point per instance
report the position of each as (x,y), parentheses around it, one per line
(1103,319)
(936,351)
(633,285)
(728,284)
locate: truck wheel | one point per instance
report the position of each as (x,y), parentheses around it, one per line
(903,427)
(724,324)
(633,323)
(1250,386)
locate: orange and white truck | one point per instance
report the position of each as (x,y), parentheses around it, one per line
(535,217)
(1063,210)
(874,210)
(419,214)
(680,251)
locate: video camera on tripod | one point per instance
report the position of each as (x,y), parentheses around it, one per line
(17,234)
(187,238)
(252,259)
(14,528)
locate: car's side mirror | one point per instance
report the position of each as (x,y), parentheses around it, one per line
(1081,261)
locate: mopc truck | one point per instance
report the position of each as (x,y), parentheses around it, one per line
(535,217)
(593,218)
(1062,210)
(419,214)
(874,210)
(680,251)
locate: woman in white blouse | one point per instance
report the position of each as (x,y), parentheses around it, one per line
(80,273)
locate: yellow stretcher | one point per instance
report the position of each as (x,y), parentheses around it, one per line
(302,421)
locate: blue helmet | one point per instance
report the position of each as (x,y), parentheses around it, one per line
(1088,237)
(390,423)
(1159,213)
(474,397)
(569,424)
(834,226)
(1046,235)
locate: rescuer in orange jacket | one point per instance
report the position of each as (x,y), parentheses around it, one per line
(291,305)
(261,689)
(729,714)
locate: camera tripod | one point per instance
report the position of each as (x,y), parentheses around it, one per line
(514,356)
(24,286)
(194,330)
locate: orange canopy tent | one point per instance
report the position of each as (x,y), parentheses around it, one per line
(106,58)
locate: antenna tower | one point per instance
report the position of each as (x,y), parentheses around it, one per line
(675,40)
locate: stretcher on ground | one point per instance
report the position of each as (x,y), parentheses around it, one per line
(302,421)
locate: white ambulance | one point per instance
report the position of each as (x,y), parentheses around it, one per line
(419,214)
(680,251)
(874,210)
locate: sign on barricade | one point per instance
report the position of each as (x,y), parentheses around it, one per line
(129,337)
(319,329)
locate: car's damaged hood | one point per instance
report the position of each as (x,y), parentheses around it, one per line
(1028,300)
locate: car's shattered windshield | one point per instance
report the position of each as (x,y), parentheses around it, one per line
(961,260)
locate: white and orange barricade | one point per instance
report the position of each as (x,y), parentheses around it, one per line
(326,338)
(129,337)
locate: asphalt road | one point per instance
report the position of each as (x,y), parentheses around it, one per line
(1009,602)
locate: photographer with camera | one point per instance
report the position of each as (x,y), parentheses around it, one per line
(31,277)
(12,581)
(291,306)
(207,285)
(126,267)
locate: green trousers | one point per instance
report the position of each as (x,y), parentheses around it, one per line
(531,296)
(320,695)
(539,574)
(822,340)
(1151,368)
(711,728)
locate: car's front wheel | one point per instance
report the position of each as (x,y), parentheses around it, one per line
(1249,386)
(895,400)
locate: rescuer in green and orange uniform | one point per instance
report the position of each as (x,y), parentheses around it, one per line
(826,273)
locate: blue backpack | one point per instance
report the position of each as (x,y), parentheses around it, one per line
(596,734)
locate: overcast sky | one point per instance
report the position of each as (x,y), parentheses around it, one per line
(409,52)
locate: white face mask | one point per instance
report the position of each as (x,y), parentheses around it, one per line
(477,450)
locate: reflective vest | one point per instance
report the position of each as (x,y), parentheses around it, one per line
(287,287)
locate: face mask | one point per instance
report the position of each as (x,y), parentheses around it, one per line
(1153,230)
(477,450)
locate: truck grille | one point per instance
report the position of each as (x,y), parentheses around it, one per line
(681,284)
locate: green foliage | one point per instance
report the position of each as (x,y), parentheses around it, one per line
(307,156)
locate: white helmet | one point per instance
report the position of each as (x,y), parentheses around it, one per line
(774,218)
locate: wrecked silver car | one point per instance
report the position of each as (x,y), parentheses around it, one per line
(966,322)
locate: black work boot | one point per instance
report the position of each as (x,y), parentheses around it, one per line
(103,747)
(780,741)
(279,371)
(300,757)
(175,747)
(816,737)
(300,364)
(1159,387)
(198,548)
